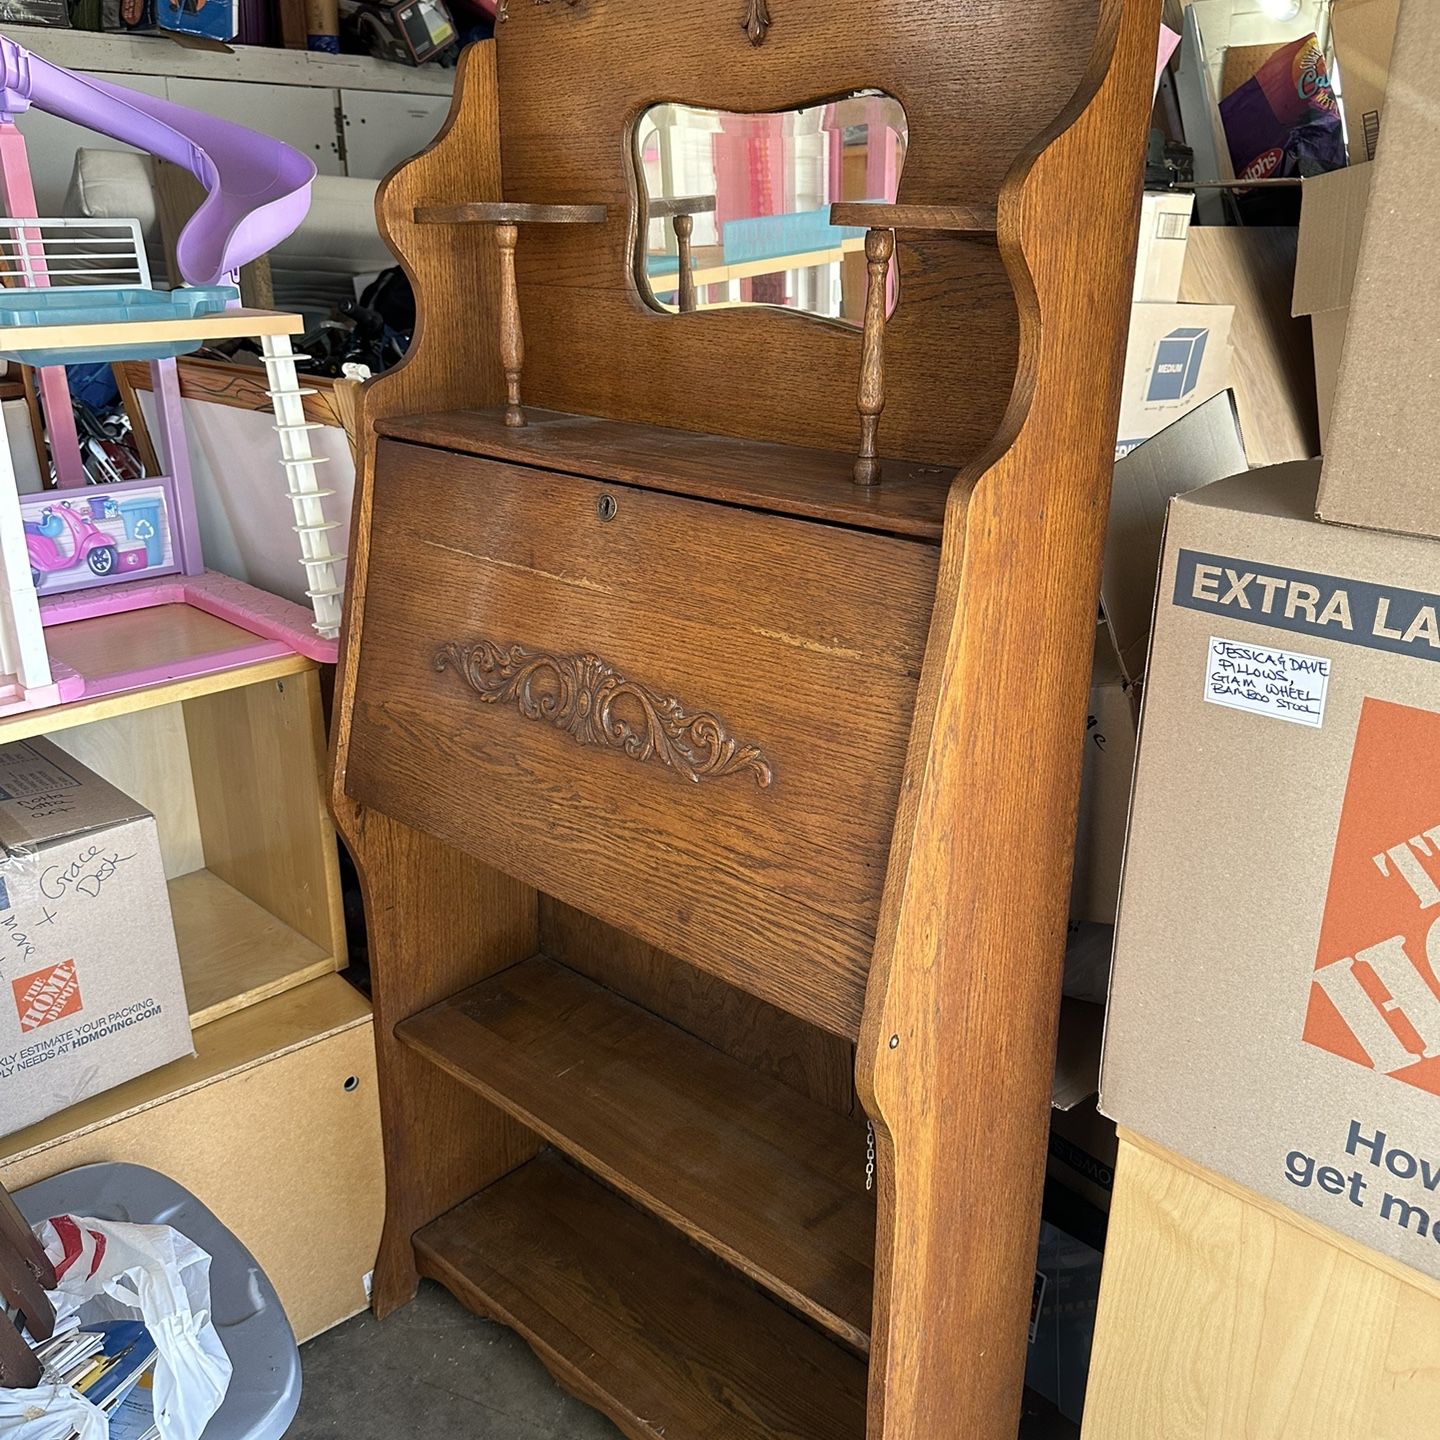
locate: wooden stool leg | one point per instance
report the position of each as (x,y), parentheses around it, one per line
(684,229)
(879,247)
(512,339)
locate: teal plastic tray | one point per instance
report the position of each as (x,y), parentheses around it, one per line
(95,305)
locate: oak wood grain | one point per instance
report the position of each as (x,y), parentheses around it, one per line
(574,83)
(784,479)
(819,1065)
(957,1045)
(226,382)
(962,219)
(663,1339)
(437,920)
(769,1181)
(772,629)
(508,212)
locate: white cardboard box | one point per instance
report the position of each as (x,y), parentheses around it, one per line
(90,986)
(1178,357)
(1164,233)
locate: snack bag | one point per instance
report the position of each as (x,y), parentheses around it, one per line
(1285,119)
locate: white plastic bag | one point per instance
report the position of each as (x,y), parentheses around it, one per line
(50,1412)
(112,1271)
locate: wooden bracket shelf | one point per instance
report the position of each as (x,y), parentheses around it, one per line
(509,212)
(954,219)
(757,1173)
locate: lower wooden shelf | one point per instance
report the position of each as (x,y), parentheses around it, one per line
(766,1178)
(666,1341)
(234,952)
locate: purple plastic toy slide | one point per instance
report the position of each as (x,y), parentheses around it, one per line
(257,189)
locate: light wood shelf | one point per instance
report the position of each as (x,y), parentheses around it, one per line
(226,325)
(665,1340)
(159,635)
(233,952)
(765,1178)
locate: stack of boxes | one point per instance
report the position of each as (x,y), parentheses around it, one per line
(1275,1005)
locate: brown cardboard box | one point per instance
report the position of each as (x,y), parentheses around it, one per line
(1379,461)
(1252,268)
(1202,446)
(1363,34)
(1332,225)
(90,987)
(1275,1007)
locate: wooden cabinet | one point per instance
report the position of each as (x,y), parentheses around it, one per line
(1223,1313)
(713,812)
(274,1121)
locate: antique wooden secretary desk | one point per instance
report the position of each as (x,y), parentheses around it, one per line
(713,809)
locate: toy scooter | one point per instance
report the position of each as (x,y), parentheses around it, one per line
(87,543)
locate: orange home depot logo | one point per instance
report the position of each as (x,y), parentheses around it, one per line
(1376,994)
(46,995)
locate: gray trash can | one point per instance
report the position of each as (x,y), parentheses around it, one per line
(264,1390)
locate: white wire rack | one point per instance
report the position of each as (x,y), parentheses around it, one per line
(72,251)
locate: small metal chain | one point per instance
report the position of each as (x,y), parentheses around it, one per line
(869,1155)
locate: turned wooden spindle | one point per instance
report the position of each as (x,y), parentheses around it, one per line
(512,337)
(879,247)
(506,217)
(684,229)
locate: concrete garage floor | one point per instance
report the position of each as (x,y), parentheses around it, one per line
(433,1369)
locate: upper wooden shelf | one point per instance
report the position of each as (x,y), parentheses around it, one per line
(959,219)
(783,479)
(766,1178)
(509,212)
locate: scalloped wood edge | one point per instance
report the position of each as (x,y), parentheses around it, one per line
(957,1043)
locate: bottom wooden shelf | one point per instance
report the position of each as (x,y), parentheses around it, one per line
(666,1341)
(233,952)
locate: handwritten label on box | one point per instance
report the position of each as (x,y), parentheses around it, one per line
(1267,681)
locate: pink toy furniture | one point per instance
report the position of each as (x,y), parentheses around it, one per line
(80,291)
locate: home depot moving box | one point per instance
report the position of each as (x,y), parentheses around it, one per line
(1379,458)
(90,988)
(1275,1006)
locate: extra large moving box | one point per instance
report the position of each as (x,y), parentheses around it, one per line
(1379,458)
(90,987)
(1275,1003)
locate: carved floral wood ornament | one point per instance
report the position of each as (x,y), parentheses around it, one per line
(756,20)
(583,696)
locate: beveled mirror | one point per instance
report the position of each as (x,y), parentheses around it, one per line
(737,207)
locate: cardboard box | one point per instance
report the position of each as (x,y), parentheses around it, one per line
(1363,35)
(1160,261)
(1252,268)
(1332,225)
(90,987)
(1063,1306)
(1178,356)
(1083,1150)
(1204,445)
(1275,1007)
(1379,460)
